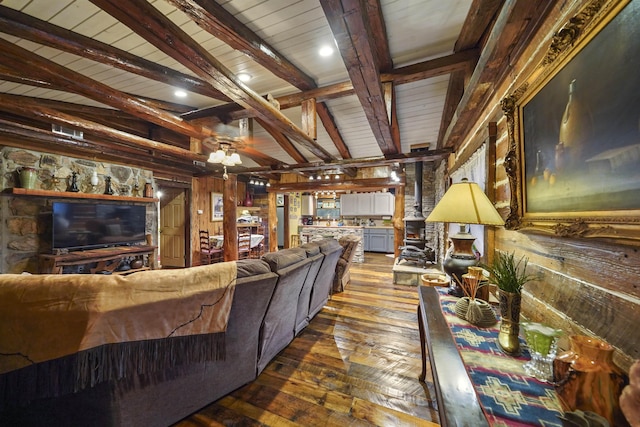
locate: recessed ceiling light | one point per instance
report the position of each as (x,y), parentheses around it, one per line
(180,93)
(244,77)
(325,51)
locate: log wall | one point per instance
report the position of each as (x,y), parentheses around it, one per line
(587,286)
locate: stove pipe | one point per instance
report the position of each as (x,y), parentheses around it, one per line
(417,206)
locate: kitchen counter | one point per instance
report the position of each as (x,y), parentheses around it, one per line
(312,233)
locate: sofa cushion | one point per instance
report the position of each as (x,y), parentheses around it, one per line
(249,267)
(282,259)
(312,248)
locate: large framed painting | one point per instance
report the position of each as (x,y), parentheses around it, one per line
(574,130)
(216,207)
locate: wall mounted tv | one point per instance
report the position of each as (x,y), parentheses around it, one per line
(93,225)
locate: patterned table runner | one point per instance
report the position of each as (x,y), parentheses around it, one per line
(507,394)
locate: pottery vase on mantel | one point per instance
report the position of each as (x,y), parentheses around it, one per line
(586,378)
(28,177)
(508,337)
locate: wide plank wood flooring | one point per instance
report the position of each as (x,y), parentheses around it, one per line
(356,364)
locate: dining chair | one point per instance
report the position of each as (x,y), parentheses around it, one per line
(208,253)
(244,244)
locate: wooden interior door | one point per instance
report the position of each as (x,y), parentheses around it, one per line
(173,229)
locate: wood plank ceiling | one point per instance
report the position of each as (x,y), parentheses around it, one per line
(110,68)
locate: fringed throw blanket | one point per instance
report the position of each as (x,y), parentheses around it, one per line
(94,328)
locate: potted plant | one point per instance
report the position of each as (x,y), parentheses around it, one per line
(509,275)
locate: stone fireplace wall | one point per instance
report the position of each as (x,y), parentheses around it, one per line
(25,221)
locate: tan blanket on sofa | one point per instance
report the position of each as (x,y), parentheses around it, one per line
(44,317)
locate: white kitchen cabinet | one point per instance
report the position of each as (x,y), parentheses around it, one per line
(367,204)
(348,205)
(383,203)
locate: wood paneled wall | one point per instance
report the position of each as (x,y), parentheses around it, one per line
(587,286)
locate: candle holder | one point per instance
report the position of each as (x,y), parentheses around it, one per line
(542,342)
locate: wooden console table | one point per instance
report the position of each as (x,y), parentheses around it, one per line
(107,259)
(458,403)
(476,383)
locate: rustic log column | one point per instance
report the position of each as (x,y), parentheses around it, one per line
(229,199)
(398,223)
(273,223)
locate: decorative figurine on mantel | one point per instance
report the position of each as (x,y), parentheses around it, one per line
(107,185)
(73,186)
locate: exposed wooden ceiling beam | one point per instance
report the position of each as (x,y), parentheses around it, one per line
(283,141)
(423,70)
(38,68)
(219,22)
(475,28)
(38,31)
(350,25)
(32,108)
(330,126)
(33,138)
(513,28)
(157,29)
(344,185)
(390,159)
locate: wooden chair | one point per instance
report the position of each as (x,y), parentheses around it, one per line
(244,244)
(295,241)
(208,254)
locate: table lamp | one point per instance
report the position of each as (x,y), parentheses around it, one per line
(463,203)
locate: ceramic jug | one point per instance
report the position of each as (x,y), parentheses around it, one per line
(28,177)
(586,378)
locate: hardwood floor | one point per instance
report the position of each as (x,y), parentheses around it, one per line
(356,364)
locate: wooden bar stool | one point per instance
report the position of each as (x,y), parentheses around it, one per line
(295,241)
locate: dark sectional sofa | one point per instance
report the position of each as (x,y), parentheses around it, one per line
(274,299)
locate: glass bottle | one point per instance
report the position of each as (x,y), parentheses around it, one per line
(575,128)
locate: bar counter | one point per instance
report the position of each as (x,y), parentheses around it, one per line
(312,233)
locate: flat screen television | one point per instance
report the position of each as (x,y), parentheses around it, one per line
(93,225)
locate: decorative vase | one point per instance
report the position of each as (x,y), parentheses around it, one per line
(107,185)
(28,177)
(148,190)
(73,185)
(248,201)
(510,322)
(587,379)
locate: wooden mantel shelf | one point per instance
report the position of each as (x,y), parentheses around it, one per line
(70,195)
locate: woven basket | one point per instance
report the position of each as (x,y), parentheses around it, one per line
(476,312)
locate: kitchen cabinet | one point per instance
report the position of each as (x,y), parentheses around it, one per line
(383,203)
(367,204)
(379,240)
(307,205)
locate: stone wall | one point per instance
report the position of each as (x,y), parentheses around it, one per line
(25,221)
(429,183)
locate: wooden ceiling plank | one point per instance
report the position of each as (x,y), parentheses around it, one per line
(216,20)
(38,31)
(349,23)
(157,29)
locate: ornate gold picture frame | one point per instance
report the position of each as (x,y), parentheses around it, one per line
(574,130)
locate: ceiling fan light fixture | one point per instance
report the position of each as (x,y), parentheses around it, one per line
(235,158)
